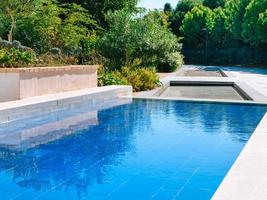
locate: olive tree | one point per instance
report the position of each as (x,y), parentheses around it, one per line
(12,10)
(135,36)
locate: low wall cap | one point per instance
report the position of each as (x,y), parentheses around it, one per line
(52,68)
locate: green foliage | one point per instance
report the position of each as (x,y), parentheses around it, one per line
(171,62)
(111,78)
(132,36)
(49,59)
(187,5)
(194,24)
(11,57)
(219,34)
(213,3)
(168,8)
(53,25)
(40,29)
(255,23)
(235,11)
(99,8)
(140,78)
(76,26)
(11,11)
(177,17)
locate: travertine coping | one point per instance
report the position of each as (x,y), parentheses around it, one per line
(49,69)
(247,179)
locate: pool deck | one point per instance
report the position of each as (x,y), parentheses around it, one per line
(247,179)
(256,81)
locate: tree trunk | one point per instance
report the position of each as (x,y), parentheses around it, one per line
(13,25)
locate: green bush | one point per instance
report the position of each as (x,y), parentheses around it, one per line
(15,58)
(111,78)
(141,79)
(171,62)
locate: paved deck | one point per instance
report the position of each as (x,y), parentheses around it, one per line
(256,81)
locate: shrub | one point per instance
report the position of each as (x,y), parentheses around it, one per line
(111,78)
(170,63)
(52,59)
(15,58)
(141,79)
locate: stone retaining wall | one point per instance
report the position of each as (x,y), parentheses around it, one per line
(20,83)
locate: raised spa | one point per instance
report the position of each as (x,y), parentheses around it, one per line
(204,90)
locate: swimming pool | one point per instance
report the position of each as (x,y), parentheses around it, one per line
(253,70)
(148,149)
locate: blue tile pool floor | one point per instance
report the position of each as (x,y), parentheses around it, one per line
(144,150)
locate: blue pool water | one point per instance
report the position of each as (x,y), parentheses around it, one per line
(143,150)
(253,70)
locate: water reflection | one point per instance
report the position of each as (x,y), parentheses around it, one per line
(78,151)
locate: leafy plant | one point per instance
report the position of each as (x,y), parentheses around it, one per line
(141,79)
(111,78)
(16,58)
(255,23)
(171,62)
(133,36)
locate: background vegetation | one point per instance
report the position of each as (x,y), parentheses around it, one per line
(131,43)
(232,31)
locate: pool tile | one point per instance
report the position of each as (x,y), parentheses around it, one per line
(145,150)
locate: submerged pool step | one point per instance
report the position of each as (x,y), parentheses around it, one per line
(98,98)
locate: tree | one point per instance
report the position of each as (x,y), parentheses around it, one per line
(99,8)
(52,25)
(12,10)
(186,5)
(255,23)
(235,11)
(213,3)
(219,34)
(177,17)
(40,29)
(77,25)
(168,8)
(134,37)
(200,18)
